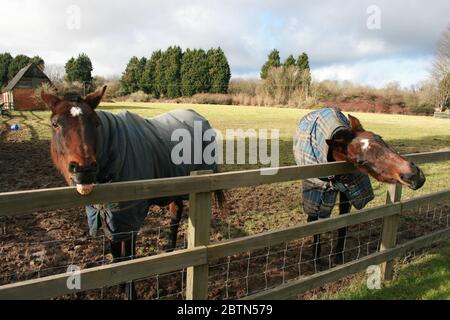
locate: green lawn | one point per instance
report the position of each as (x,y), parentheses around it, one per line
(427,278)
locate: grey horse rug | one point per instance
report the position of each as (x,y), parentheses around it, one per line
(130,147)
(310,147)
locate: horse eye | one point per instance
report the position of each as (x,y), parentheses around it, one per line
(55,124)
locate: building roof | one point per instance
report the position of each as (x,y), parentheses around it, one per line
(32,71)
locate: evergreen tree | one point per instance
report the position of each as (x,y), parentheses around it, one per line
(140,72)
(16,64)
(303,66)
(79,69)
(290,61)
(272,61)
(38,61)
(170,68)
(148,79)
(303,61)
(70,69)
(219,71)
(5,61)
(194,72)
(131,77)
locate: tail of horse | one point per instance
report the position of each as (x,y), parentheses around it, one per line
(220,194)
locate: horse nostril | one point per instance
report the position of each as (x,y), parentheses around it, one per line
(73,167)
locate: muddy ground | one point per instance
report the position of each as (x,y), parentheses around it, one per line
(45,243)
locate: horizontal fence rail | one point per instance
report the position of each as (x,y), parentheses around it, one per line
(20,202)
(200,254)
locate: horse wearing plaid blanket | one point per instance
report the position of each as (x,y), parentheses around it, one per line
(326,135)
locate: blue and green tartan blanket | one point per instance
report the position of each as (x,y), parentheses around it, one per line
(310,147)
(130,147)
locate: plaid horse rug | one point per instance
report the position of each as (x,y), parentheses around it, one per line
(310,147)
(130,148)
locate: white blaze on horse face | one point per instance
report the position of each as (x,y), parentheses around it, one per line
(76,111)
(364,144)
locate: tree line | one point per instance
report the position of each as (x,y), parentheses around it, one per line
(290,80)
(9,65)
(173,73)
(274,61)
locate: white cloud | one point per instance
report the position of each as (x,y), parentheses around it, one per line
(334,34)
(377,73)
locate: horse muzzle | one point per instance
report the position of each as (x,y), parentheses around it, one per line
(414,179)
(83,177)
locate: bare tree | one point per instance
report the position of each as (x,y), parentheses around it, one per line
(55,72)
(441,70)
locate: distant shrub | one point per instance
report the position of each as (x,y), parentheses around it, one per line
(45,87)
(212,98)
(423,109)
(139,96)
(113,91)
(244,86)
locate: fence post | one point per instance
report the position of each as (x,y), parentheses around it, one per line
(390,227)
(198,235)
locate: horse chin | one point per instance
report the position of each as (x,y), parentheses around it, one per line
(85,189)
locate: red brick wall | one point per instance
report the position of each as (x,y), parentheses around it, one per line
(24,100)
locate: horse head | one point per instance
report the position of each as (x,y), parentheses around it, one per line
(74,141)
(372,155)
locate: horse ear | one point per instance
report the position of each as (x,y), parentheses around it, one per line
(50,100)
(355,124)
(93,99)
(338,147)
(336,143)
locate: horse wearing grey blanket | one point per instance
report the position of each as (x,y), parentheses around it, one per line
(133,148)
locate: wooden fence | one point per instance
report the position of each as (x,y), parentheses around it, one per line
(199,252)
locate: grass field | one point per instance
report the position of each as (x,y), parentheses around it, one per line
(427,278)
(407,134)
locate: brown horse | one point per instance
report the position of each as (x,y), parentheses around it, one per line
(371,155)
(75,147)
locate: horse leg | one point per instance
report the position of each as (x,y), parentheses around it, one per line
(176,209)
(344,208)
(128,252)
(316,245)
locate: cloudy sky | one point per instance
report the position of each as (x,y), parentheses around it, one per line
(346,40)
